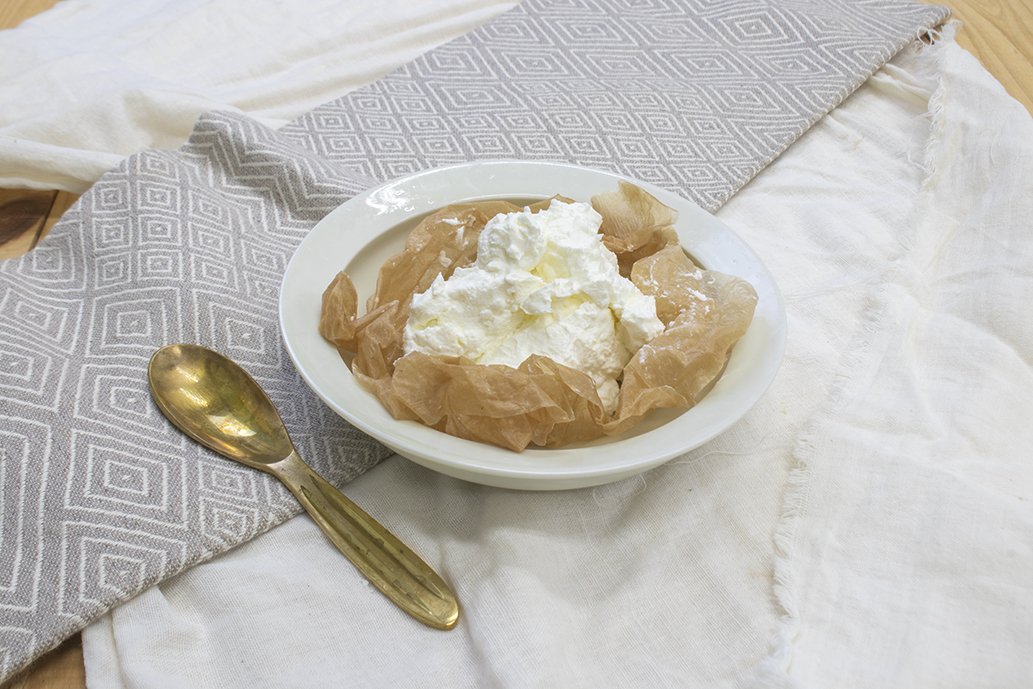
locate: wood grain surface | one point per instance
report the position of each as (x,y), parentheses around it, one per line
(997,32)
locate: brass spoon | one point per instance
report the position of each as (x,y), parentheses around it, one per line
(215,402)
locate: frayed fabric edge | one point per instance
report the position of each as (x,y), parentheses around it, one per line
(773,671)
(938,40)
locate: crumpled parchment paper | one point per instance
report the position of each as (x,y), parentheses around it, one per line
(541,402)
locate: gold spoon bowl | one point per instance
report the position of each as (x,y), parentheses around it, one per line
(216,402)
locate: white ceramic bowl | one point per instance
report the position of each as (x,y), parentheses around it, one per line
(361,234)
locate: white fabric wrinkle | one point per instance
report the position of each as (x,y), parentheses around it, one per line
(775,670)
(760,446)
(100,651)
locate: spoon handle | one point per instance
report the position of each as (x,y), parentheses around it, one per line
(391,566)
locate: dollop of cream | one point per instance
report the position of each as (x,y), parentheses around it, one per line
(543,283)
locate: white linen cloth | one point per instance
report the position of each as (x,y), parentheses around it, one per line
(868,524)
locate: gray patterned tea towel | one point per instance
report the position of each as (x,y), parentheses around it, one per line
(100,497)
(695,96)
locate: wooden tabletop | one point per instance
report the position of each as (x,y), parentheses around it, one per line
(998,32)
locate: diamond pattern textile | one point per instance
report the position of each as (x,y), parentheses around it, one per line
(100,497)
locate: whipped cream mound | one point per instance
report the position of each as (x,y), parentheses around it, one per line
(543,283)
